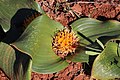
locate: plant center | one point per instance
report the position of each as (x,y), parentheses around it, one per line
(64,42)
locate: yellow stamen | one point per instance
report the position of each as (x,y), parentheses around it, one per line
(65,42)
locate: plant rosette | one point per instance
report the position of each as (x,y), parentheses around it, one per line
(40,44)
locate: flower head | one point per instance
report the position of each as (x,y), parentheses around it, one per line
(65,42)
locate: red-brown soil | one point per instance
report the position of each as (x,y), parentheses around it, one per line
(73,72)
(67,12)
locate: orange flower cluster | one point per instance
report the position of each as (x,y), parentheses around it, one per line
(64,42)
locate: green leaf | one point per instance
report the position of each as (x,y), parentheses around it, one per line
(16,66)
(79,56)
(7,59)
(91,53)
(9,7)
(107,64)
(22,18)
(36,41)
(92,29)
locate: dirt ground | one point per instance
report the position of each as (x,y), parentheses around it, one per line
(67,11)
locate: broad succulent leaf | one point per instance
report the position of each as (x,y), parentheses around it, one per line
(107,64)
(12,65)
(89,30)
(79,56)
(7,59)
(22,18)
(36,41)
(8,8)
(93,29)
